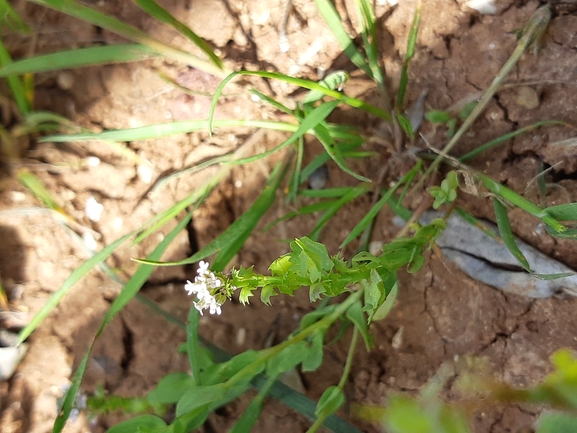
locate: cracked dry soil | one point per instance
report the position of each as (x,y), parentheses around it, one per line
(441,315)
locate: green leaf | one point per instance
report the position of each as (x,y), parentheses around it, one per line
(10,18)
(199,396)
(355,315)
(556,423)
(226,370)
(330,401)
(411,45)
(507,234)
(467,110)
(314,357)
(385,308)
(140,424)
(406,126)
(563,212)
(77,58)
(316,315)
(317,252)
(437,116)
(171,388)
(405,415)
(324,136)
(287,358)
(310,259)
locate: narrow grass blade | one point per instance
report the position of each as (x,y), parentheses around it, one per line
(335,23)
(162,15)
(509,240)
(166,129)
(411,44)
(508,136)
(507,235)
(10,18)
(306,84)
(272,102)
(330,192)
(16,84)
(227,243)
(128,292)
(77,58)
(475,222)
(100,19)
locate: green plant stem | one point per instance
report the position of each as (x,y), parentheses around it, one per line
(346,371)
(534,28)
(269,353)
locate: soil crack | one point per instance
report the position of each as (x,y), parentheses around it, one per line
(128,345)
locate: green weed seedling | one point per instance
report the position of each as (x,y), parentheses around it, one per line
(366,284)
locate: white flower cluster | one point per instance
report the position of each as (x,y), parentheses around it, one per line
(203,285)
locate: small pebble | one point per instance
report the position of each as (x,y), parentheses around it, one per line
(65,80)
(144,173)
(319,177)
(527,97)
(397,341)
(93,209)
(93,161)
(240,336)
(89,241)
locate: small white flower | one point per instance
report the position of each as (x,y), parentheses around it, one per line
(203,287)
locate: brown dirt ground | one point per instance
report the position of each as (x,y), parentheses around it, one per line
(443,314)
